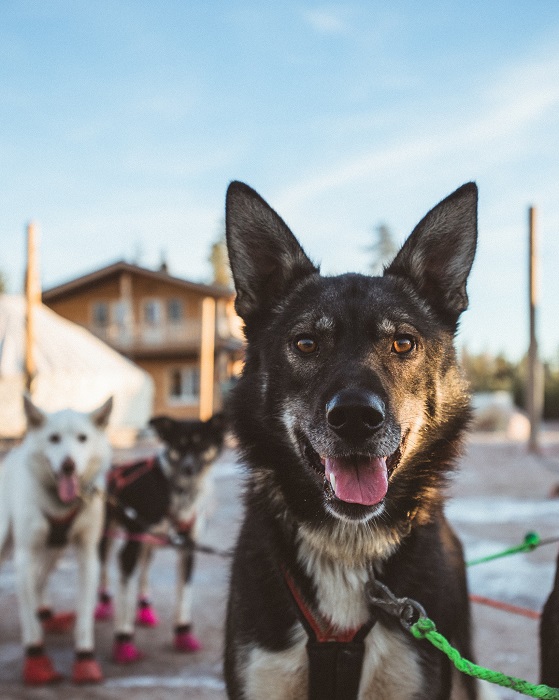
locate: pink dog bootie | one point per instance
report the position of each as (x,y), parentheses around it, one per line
(125,651)
(104,610)
(145,614)
(185,641)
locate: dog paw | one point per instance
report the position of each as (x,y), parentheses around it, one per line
(187,642)
(146,615)
(104,611)
(57,623)
(126,652)
(86,671)
(38,670)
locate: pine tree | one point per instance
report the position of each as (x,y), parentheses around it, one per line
(383,249)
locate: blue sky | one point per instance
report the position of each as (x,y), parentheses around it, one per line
(122,122)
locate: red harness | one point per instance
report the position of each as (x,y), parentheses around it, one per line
(64,520)
(59,527)
(323,630)
(124,474)
(335,657)
(127,473)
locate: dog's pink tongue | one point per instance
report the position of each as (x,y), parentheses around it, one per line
(361,480)
(68,487)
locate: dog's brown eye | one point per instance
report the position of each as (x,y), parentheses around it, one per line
(54,438)
(403,344)
(306,345)
(82,437)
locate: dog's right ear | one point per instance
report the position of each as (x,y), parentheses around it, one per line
(438,254)
(35,417)
(162,426)
(100,416)
(266,258)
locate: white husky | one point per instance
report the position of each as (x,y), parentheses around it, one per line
(51,494)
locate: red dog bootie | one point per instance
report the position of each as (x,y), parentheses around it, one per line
(104,610)
(86,669)
(56,623)
(145,614)
(185,640)
(38,668)
(125,651)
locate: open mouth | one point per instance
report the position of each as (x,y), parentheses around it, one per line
(359,479)
(68,487)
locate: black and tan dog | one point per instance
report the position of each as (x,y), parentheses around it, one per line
(157,501)
(350,415)
(549,636)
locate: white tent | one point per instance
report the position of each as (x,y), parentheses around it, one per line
(74,370)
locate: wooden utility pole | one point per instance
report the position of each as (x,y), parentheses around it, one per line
(535,388)
(207,352)
(33,299)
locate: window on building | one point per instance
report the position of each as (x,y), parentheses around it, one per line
(100,314)
(174,310)
(184,384)
(152,312)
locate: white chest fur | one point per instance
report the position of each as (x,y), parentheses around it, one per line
(391,668)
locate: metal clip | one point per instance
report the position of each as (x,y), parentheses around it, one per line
(407,610)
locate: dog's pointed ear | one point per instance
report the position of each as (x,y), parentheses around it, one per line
(162,426)
(100,416)
(35,417)
(217,421)
(438,255)
(266,258)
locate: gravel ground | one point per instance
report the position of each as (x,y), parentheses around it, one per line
(500,494)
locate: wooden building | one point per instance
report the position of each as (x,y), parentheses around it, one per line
(186,335)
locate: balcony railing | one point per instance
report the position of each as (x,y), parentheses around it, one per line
(184,333)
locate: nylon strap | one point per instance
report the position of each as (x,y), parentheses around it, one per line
(124,474)
(335,658)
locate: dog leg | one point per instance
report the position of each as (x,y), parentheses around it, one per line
(52,623)
(5,525)
(38,668)
(145,613)
(27,577)
(86,669)
(185,640)
(104,609)
(124,649)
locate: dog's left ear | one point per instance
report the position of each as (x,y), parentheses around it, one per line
(100,416)
(162,426)
(438,255)
(266,258)
(35,417)
(217,421)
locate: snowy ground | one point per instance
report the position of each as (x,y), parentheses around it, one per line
(500,494)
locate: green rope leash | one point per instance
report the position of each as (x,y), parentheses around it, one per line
(425,628)
(531,542)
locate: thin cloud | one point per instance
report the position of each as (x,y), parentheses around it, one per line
(326,21)
(511,108)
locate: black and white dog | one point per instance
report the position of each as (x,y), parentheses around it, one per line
(157,501)
(350,415)
(51,495)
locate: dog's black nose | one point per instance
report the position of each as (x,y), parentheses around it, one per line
(68,466)
(355,413)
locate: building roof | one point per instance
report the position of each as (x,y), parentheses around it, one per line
(68,288)
(74,368)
